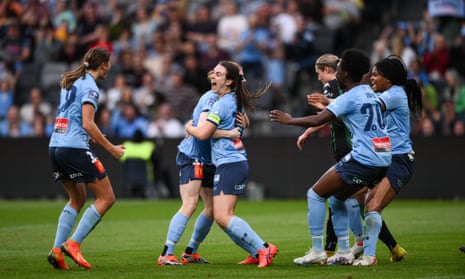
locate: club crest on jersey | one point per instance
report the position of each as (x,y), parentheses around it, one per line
(93,95)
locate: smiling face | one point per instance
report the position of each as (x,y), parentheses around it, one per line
(379,83)
(219,84)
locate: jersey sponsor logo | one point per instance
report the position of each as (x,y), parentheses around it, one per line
(359,181)
(74,175)
(382,144)
(239,187)
(61,125)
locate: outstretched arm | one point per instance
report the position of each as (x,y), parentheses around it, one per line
(306,121)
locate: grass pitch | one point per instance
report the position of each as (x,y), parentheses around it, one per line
(129,239)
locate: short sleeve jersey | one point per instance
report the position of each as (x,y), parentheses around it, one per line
(361,112)
(68,130)
(191,146)
(397,117)
(223,115)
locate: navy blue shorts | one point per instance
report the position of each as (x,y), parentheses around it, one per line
(187,171)
(231,178)
(354,173)
(401,170)
(77,165)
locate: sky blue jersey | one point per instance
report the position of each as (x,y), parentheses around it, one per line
(223,115)
(68,131)
(361,112)
(191,146)
(397,117)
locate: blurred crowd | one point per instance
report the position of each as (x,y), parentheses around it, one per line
(162,51)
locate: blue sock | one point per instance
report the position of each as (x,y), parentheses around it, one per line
(340,223)
(244,236)
(373,222)
(65,225)
(316,219)
(202,227)
(88,221)
(355,219)
(175,231)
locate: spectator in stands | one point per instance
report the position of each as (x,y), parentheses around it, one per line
(437,60)
(180,96)
(457,51)
(343,18)
(210,53)
(130,65)
(400,44)
(379,51)
(130,121)
(125,41)
(143,28)
(103,120)
(13,126)
(89,26)
(103,40)
(42,126)
(118,22)
(201,26)
(194,75)
(47,46)
(146,97)
(165,125)
(35,105)
(286,21)
(16,49)
(70,52)
(114,93)
(252,49)
(6,97)
(64,14)
(230,27)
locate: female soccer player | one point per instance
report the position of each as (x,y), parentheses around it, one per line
(231,163)
(364,165)
(399,96)
(72,160)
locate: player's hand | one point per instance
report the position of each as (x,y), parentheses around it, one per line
(301,140)
(117,151)
(241,120)
(235,133)
(279,116)
(188,125)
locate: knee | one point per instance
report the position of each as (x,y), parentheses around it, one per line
(77,203)
(221,220)
(109,201)
(188,207)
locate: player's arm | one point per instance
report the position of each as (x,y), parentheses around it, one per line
(306,121)
(305,135)
(203,131)
(89,125)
